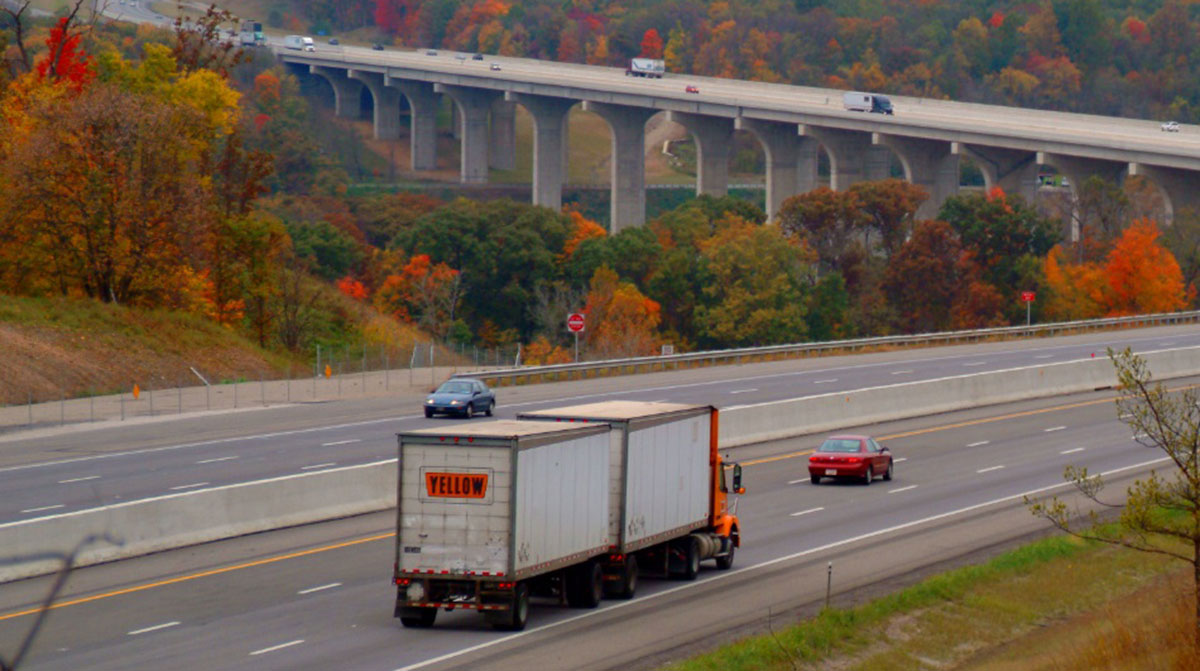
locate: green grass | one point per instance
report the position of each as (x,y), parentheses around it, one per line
(950,618)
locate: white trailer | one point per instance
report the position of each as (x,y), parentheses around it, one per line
(300,42)
(856,101)
(646,67)
(668,495)
(492,513)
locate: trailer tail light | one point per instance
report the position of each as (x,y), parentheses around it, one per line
(403,582)
(506,585)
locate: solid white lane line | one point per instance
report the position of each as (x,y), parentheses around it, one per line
(974,363)
(342,442)
(194,484)
(800,481)
(902,489)
(310,590)
(805,512)
(213,461)
(824,381)
(1053,428)
(743,391)
(982,442)
(307,468)
(901,372)
(90,477)
(281,646)
(989,468)
(38,510)
(156,627)
(1072,451)
(725,575)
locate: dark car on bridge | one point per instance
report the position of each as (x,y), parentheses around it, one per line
(850,456)
(461,396)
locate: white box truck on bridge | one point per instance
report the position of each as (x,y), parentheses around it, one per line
(646,67)
(856,101)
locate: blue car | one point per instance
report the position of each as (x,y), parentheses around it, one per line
(461,396)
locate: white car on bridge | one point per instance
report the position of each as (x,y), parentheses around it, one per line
(1170,127)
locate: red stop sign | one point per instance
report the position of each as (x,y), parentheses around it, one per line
(1028,296)
(575,322)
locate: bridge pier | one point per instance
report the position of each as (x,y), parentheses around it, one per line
(930,164)
(549,134)
(852,156)
(1178,188)
(1078,169)
(1013,170)
(387,103)
(423,109)
(791,159)
(714,139)
(347,92)
(474,107)
(503,141)
(628,169)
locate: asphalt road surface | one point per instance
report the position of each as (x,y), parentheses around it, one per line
(319,596)
(76,468)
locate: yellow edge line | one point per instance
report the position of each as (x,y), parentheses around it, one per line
(194,576)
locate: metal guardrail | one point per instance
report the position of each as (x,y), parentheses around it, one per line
(584,369)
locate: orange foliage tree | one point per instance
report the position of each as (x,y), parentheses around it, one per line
(425,293)
(621,322)
(582,229)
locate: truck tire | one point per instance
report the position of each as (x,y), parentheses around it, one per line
(417,618)
(691,553)
(626,587)
(726,562)
(516,616)
(585,585)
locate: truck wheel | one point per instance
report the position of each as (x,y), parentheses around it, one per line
(725,563)
(627,586)
(691,549)
(417,618)
(585,585)
(514,618)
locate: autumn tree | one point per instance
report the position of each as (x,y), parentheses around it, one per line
(622,322)
(762,307)
(652,44)
(424,293)
(923,278)
(1143,277)
(826,220)
(1161,513)
(888,210)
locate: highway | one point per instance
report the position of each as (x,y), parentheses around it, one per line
(1095,136)
(82,468)
(319,597)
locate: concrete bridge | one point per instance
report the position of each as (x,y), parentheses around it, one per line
(792,123)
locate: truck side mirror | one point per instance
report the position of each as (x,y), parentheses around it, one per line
(737,479)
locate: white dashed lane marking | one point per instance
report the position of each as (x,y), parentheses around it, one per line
(325,465)
(989,468)
(342,442)
(805,512)
(156,627)
(281,646)
(38,510)
(83,479)
(902,489)
(310,590)
(742,391)
(824,381)
(982,442)
(213,461)
(1072,451)
(1053,428)
(191,486)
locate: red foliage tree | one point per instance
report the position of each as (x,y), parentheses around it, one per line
(652,44)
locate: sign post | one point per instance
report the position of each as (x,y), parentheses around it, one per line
(1028,297)
(575,325)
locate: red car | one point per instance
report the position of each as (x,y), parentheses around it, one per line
(850,456)
(692,89)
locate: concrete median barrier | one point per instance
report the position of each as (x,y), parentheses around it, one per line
(188,518)
(743,425)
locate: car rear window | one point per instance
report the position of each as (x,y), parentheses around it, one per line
(840,445)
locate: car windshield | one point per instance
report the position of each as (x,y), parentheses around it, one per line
(840,445)
(456,387)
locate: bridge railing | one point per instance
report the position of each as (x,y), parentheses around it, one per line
(566,371)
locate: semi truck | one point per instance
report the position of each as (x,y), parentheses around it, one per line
(856,101)
(251,34)
(299,42)
(668,487)
(646,67)
(492,514)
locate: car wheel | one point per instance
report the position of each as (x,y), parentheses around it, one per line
(816,479)
(891,468)
(469,412)
(869,476)
(490,408)
(428,412)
